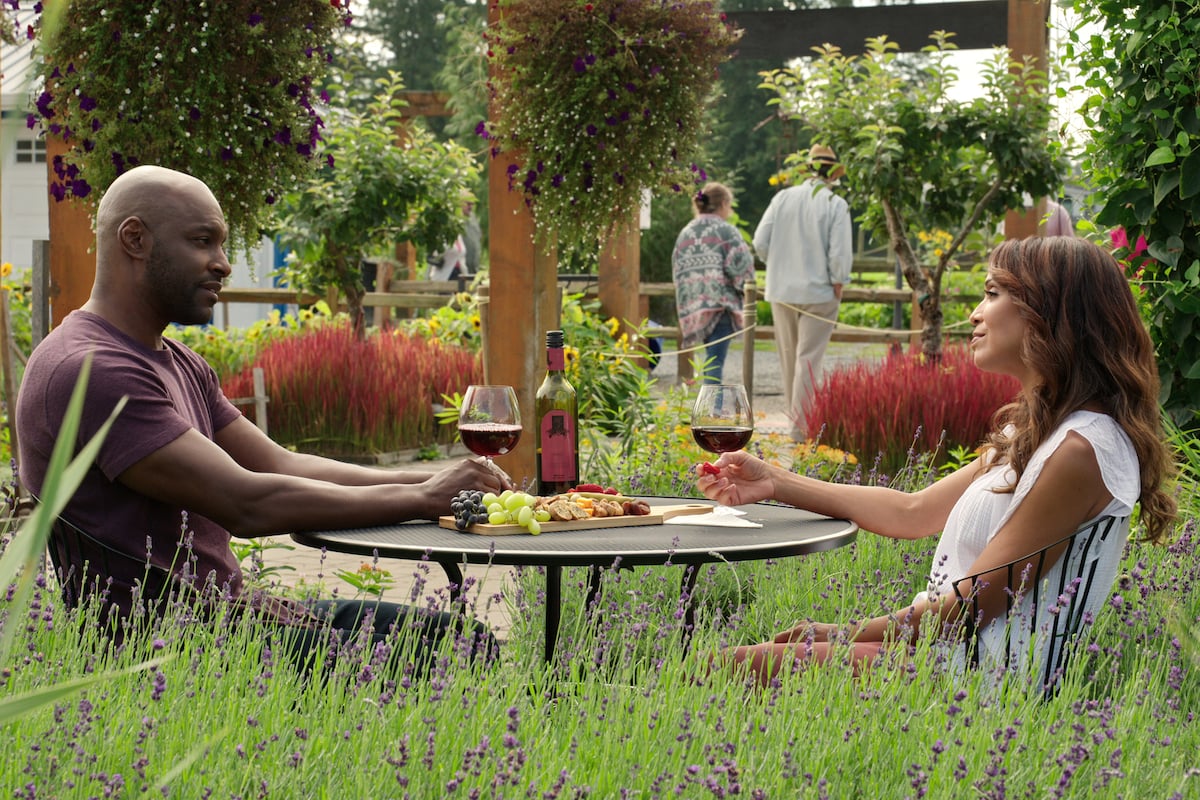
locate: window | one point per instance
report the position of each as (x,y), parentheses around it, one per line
(31,151)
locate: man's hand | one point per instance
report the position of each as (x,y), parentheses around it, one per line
(467,474)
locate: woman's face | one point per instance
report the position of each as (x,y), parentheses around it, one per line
(999,332)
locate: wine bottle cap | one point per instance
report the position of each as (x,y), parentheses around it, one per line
(554,338)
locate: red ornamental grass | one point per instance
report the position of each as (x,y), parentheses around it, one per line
(877,408)
(337,395)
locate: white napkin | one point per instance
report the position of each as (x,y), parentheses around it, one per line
(720,516)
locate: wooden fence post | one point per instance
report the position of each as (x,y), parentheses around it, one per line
(260,399)
(10,378)
(749,327)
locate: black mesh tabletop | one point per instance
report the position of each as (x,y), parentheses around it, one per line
(785,531)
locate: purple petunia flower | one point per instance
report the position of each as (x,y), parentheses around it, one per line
(43,104)
(481,130)
(283,136)
(579,65)
(591,130)
(194,113)
(87,103)
(254,20)
(58,191)
(226,153)
(80,188)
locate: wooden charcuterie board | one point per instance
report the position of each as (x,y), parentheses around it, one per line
(657,516)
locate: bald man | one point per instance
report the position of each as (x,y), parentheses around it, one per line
(180,456)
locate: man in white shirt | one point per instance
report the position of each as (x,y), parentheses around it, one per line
(805,239)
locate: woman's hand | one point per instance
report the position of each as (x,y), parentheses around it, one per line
(740,478)
(808,632)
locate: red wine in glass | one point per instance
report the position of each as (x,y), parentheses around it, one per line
(489,421)
(722,438)
(489,438)
(722,420)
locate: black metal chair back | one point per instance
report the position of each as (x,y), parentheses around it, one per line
(84,566)
(1048,599)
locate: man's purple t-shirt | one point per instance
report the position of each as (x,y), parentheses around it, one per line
(170,391)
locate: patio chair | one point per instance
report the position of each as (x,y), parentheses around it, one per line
(84,566)
(1045,601)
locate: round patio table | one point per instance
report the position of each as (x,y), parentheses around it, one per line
(784,531)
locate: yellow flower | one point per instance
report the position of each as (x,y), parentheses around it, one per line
(6,269)
(434,324)
(773,180)
(614,325)
(476,322)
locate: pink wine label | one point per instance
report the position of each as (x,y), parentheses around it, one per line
(558,447)
(555,360)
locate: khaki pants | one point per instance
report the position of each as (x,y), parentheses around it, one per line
(801,339)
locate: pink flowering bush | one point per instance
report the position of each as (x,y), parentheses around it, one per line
(884,410)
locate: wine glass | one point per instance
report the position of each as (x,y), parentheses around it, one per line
(722,420)
(489,420)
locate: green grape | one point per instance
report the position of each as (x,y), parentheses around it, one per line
(492,508)
(498,518)
(507,493)
(515,502)
(489,498)
(541,515)
(535,527)
(524,516)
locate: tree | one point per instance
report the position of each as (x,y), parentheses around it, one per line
(1143,75)
(373,191)
(917,160)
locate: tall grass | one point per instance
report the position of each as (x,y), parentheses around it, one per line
(337,395)
(872,408)
(626,712)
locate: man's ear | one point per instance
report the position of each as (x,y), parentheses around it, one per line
(134,237)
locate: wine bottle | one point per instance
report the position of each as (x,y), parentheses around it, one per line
(558,431)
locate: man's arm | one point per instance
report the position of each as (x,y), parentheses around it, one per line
(762,234)
(198,475)
(257,452)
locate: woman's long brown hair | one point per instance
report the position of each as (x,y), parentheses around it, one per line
(1089,345)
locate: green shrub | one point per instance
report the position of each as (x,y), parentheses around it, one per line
(884,410)
(229,350)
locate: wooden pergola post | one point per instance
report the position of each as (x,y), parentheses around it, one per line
(620,279)
(1028,35)
(523,303)
(72,246)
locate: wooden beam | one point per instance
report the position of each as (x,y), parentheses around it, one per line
(620,276)
(72,246)
(523,303)
(1028,35)
(782,35)
(426,104)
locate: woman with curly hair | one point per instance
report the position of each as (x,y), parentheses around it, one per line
(1082,441)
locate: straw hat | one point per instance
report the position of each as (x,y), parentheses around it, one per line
(823,154)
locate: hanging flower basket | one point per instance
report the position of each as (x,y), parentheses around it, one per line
(225,91)
(599,101)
